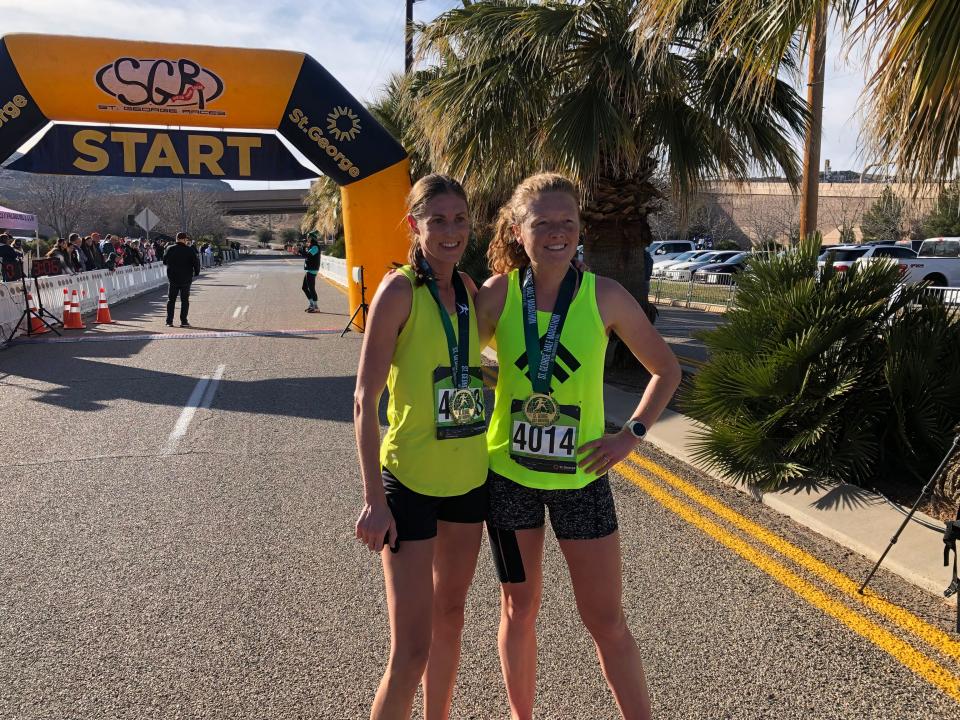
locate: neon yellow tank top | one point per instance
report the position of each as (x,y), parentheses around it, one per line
(577,386)
(410,449)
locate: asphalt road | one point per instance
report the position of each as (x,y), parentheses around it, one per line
(157,562)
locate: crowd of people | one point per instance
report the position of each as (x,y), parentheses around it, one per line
(77,254)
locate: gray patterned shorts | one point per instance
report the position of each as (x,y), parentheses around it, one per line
(584,514)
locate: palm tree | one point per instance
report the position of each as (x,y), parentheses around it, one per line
(521,86)
(912,99)
(392,111)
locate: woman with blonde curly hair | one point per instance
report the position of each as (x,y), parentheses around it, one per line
(546,441)
(425,493)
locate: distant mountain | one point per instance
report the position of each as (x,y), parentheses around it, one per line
(11,183)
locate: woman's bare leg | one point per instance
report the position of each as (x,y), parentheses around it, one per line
(596,574)
(517,639)
(454,563)
(408,576)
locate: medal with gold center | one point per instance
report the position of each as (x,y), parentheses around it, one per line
(541,410)
(463,406)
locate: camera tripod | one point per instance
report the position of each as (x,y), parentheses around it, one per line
(25,316)
(951,532)
(362,307)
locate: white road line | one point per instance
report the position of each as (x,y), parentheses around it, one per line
(236,313)
(212,388)
(183,422)
(252,287)
(200,397)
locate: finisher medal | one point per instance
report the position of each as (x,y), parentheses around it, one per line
(541,410)
(463,406)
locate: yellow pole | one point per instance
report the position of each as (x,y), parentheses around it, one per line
(374,229)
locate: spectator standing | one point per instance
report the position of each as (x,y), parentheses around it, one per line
(61,253)
(311,266)
(92,249)
(77,256)
(11,262)
(183,265)
(133,252)
(109,253)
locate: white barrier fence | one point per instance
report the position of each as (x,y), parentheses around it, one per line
(334,268)
(120,285)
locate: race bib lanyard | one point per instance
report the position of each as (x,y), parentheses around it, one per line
(544,433)
(458,393)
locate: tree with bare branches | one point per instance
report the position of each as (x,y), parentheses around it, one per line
(59,201)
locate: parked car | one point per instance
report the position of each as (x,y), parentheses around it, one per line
(938,263)
(684,271)
(720,272)
(669,249)
(878,252)
(660,265)
(843,256)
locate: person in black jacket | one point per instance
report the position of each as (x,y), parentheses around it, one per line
(183,264)
(311,266)
(11,262)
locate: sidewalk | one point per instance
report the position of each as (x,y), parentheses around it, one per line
(855,518)
(850,516)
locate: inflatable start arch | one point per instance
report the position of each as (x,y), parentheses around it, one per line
(64,79)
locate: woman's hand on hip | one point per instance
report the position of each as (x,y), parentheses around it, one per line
(605,452)
(375,525)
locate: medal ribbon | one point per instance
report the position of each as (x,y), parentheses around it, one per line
(541,362)
(459,347)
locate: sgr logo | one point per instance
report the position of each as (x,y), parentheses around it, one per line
(11,109)
(159,85)
(343,123)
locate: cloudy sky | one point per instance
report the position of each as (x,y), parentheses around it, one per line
(359,41)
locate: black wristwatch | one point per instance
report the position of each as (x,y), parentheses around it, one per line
(635,428)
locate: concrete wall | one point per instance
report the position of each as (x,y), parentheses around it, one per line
(760,207)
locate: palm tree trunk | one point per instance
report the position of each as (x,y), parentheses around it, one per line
(617,232)
(809,195)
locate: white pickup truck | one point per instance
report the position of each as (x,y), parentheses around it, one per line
(937,262)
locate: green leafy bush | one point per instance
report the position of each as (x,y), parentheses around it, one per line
(842,376)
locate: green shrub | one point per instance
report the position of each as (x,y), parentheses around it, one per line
(726,245)
(337,249)
(843,377)
(289,236)
(265,236)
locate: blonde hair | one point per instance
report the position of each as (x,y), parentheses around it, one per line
(423,191)
(505,252)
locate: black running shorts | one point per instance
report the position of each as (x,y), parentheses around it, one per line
(416,515)
(584,514)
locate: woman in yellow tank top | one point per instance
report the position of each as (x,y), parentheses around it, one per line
(546,439)
(425,493)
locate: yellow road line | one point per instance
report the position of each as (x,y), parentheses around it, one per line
(935,637)
(689,360)
(934,673)
(339,287)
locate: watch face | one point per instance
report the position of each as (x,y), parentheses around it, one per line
(638,429)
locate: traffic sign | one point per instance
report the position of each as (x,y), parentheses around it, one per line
(147,219)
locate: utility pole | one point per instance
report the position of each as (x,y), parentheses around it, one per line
(810,190)
(408,35)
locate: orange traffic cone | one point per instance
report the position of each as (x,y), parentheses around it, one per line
(36,324)
(75,321)
(103,309)
(66,307)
